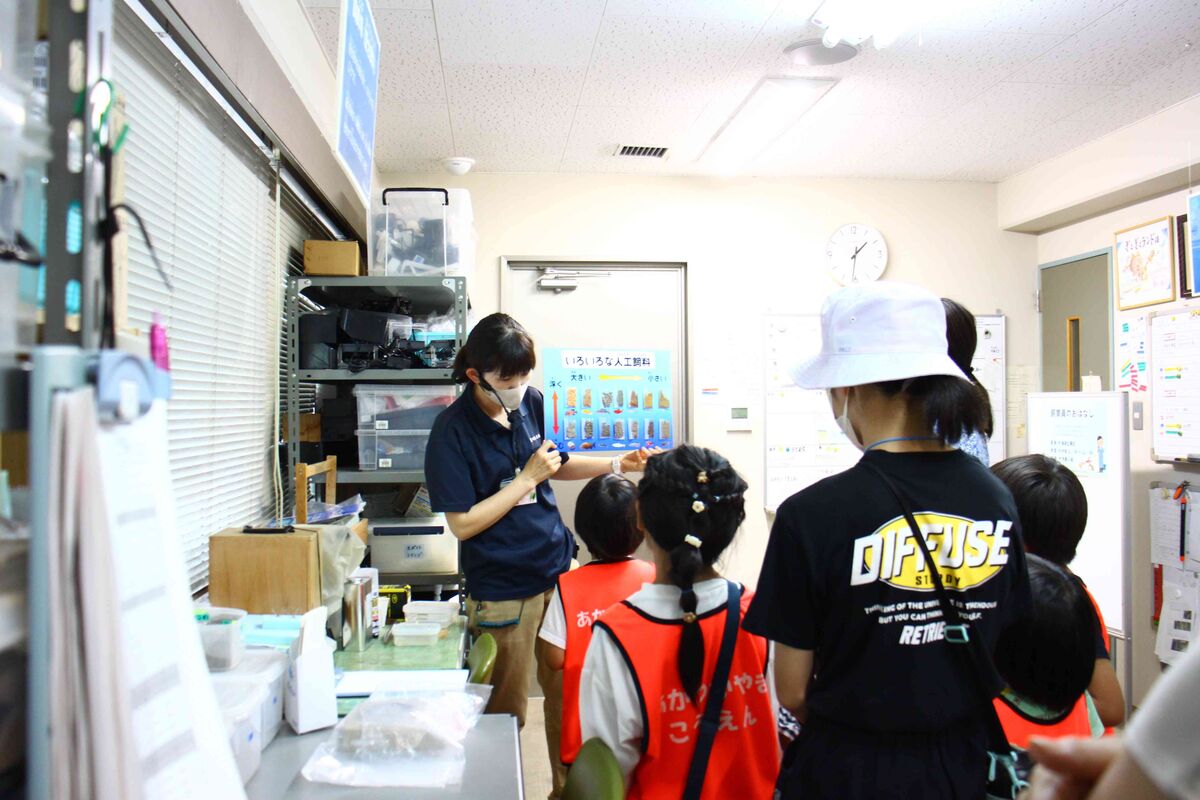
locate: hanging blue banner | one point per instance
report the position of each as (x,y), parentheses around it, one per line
(358,84)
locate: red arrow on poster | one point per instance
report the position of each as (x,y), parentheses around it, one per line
(555,397)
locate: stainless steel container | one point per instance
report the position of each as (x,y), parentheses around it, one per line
(356,614)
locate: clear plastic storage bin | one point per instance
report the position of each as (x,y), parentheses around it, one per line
(241,702)
(422,232)
(440,613)
(400,408)
(413,545)
(221,636)
(266,667)
(392,449)
(415,634)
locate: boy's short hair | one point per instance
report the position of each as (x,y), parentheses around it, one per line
(1050,502)
(1049,657)
(606,517)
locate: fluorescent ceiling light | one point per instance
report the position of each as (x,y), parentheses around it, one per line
(884,21)
(768,112)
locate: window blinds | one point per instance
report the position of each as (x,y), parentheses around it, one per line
(207,194)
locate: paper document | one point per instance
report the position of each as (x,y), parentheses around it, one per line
(1177,622)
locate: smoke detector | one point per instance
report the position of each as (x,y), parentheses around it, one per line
(458,165)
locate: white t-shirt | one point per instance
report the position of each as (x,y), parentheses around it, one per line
(608,702)
(1162,735)
(554,623)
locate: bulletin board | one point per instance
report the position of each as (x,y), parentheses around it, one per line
(804,444)
(990,369)
(1175,383)
(608,400)
(1088,433)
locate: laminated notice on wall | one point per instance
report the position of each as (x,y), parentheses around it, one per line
(605,400)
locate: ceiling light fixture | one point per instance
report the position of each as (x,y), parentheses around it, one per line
(883,21)
(813,53)
(768,112)
(458,165)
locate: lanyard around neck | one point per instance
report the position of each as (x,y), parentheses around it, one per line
(873,445)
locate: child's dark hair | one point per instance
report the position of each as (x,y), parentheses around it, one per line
(1049,658)
(1050,502)
(952,407)
(606,517)
(962,337)
(691,494)
(497,343)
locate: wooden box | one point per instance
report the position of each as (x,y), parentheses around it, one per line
(264,573)
(331,258)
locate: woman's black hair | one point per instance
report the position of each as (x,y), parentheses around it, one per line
(962,337)
(606,517)
(952,407)
(497,343)
(691,492)
(1049,657)
(1050,502)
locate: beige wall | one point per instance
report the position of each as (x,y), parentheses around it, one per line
(752,247)
(1084,237)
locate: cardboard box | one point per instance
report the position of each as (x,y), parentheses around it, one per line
(331,258)
(264,573)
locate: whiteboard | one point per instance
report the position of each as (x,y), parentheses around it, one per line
(1088,433)
(803,442)
(990,369)
(1175,383)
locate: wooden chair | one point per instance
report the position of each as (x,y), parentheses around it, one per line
(306,471)
(482,659)
(595,775)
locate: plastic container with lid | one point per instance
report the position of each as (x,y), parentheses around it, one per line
(415,634)
(221,636)
(266,667)
(422,232)
(240,701)
(440,613)
(392,449)
(400,408)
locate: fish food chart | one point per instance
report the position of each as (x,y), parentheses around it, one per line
(605,400)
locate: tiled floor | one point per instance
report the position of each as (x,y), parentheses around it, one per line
(535,762)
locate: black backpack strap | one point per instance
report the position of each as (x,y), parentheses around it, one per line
(711,721)
(978,661)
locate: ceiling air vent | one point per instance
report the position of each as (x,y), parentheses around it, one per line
(641,151)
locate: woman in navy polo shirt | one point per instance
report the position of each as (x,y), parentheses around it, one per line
(487,467)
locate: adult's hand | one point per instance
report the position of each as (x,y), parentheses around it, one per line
(635,461)
(1068,768)
(542,464)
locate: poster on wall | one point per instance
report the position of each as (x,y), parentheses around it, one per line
(1175,384)
(1145,256)
(605,400)
(1133,372)
(989,367)
(1193,229)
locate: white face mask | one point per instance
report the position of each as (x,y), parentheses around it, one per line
(510,398)
(843,422)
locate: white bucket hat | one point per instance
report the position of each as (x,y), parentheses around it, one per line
(877,332)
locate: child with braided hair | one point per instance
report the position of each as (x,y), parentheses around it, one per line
(654,660)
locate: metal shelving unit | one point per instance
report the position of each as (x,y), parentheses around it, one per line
(429,295)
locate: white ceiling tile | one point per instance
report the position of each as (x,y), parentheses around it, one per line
(650,61)
(1022,16)
(752,11)
(1138,37)
(500,136)
(597,131)
(408,132)
(470,84)
(409,68)
(1010,111)
(325,24)
(546,32)
(402,5)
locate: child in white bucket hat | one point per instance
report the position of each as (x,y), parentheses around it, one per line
(892,711)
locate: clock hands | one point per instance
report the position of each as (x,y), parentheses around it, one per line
(854,261)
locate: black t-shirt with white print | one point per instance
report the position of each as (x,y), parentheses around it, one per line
(843,577)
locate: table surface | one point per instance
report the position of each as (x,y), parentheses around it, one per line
(446,654)
(493,770)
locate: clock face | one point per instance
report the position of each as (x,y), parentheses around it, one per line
(856,253)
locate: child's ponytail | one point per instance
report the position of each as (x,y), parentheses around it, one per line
(691,503)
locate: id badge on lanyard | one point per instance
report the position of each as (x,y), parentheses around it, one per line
(528,499)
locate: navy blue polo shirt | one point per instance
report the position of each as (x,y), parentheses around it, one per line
(468,456)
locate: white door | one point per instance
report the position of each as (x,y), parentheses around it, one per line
(609,307)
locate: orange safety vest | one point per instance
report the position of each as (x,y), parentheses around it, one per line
(586,593)
(1018,726)
(744,762)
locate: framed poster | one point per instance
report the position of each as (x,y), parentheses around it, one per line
(1186,286)
(607,400)
(1193,240)
(1145,260)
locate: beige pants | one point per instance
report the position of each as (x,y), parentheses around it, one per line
(515,624)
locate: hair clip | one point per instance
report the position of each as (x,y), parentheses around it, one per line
(693,540)
(702,477)
(698,506)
